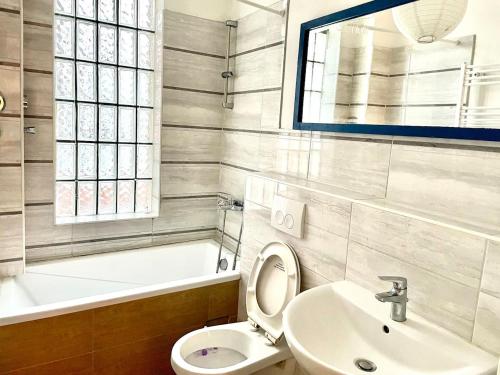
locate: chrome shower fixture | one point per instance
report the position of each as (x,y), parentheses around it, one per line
(227,203)
(227,75)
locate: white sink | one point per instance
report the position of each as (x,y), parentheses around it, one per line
(330,327)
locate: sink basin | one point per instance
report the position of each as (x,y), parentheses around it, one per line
(341,329)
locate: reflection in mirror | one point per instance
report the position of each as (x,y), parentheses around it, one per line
(364,71)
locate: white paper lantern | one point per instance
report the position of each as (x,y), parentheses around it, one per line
(426,21)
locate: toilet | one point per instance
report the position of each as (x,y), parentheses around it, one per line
(257,344)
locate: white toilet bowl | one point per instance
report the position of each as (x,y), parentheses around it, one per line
(233,349)
(247,347)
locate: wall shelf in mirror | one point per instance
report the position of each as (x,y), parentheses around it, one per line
(358,73)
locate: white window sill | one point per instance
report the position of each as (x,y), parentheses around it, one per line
(102,218)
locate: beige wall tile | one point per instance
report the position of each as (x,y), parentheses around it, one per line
(189,179)
(423,175)
(446,252)
(40,228)
(10,84)
(38,89)
(286,153)
(40,11)
(10,48)
(39,146)
(190,33)
(11,236)
(185,214)
(43,253)
(320,251)
(240,149)
(187,70)
(10,189)
(11,268)
(232,181)
(353,164)
(39,182)
(452,305)
(10,4)
(487,325)
(111,229)
(247,112)
(491,274)
(38,48)
(190,144)
(10,140)
(191,108)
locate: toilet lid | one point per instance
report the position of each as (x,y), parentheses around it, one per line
(273,283)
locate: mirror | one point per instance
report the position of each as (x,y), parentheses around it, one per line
(359,73)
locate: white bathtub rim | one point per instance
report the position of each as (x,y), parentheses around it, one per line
(107,299)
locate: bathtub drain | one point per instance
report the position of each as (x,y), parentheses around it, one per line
(365,365)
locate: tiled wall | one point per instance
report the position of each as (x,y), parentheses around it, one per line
(192,119)
(354,237)
(11,119)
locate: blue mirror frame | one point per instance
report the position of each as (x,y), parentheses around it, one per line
(365,9)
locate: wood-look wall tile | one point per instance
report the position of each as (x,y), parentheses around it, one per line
(437,169)
(40,228)
(487,324)
(190,144)
(10,140)
(38,89)
(10,188)
(38,182)
(10,83)
(81,365)
(39,146)
(353,164)
(446,252)
(40,11)
(45,340)
(10,48)
(452,305)
(223,300)
(11,236)
(186,214)
(38,52)
(187,70)
(150,317)
(146,357)
(192,108)
(190,33)
(189,179)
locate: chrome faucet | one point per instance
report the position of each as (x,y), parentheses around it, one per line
(397,296)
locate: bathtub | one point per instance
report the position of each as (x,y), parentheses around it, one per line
(66,286)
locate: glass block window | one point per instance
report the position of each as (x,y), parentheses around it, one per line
(103,88)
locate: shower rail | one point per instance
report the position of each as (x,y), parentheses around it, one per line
(228,74)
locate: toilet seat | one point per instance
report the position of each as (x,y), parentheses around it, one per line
(242,348)
(273,283)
